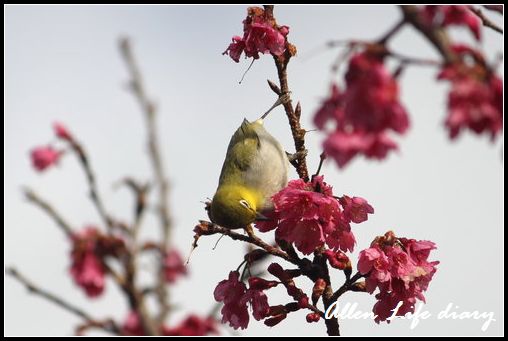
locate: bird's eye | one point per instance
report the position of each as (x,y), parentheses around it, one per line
(244,203)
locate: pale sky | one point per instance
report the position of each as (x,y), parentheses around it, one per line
(62,63)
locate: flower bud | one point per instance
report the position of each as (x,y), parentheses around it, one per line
(273,321)
(317,291)
(257,283)
(313,317)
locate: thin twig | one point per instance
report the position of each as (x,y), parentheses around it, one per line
(92,184)
(346,286)
(495,8)
(485,20)
(148,108)
(34,289)
(46,206)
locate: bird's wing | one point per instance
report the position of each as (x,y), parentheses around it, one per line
(244,144)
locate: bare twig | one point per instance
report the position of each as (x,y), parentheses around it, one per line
(92,184)
(485,20)
(46,206)
(495,8)
(108,326)
(161,182)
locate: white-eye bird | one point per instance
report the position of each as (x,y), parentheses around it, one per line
(255,168)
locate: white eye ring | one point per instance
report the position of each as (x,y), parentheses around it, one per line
(244,203)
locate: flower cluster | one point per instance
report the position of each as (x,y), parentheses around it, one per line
(174,266)
(308,215)
(364,112)
(89,247)
(400,269)
(261,34)
(236,296)
(193,325)
(45,156)
(475,100)
(443,16)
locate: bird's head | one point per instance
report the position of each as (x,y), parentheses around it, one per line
(234,206)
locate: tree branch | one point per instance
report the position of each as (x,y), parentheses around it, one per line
(92,184)
(108,326)
(149,111)
(206,228)
(436,35)
(32,197)
(485,20)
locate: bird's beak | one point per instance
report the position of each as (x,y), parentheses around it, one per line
(260,217)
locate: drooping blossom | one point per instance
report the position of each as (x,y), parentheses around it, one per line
(364,112)
(174,266)
(62,132)
(87,268)
(193,325)
(475,100)
(400,269)
(89,247)
(261,34)
(308,215)
(452,15)
(236,298)
(44,157)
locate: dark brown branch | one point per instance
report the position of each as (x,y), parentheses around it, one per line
(92,184)
(108,326)
(436,35)
(32,197)
(347,286)
(392,32)
(485,20)
(206,228)
(161,181)
(495,8)
(293,115)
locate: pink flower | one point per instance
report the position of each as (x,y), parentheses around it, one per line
(43,157)
(62,132)
(475,100)
(308,215)
(132,325)
(356,209)
(236,48)
(236,297)
(174,266)
(399,268)
(452,15)
(193,325)
(87,268)
(338,259)
(260,35)
(363,112)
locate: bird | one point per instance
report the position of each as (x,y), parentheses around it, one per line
(255,168)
